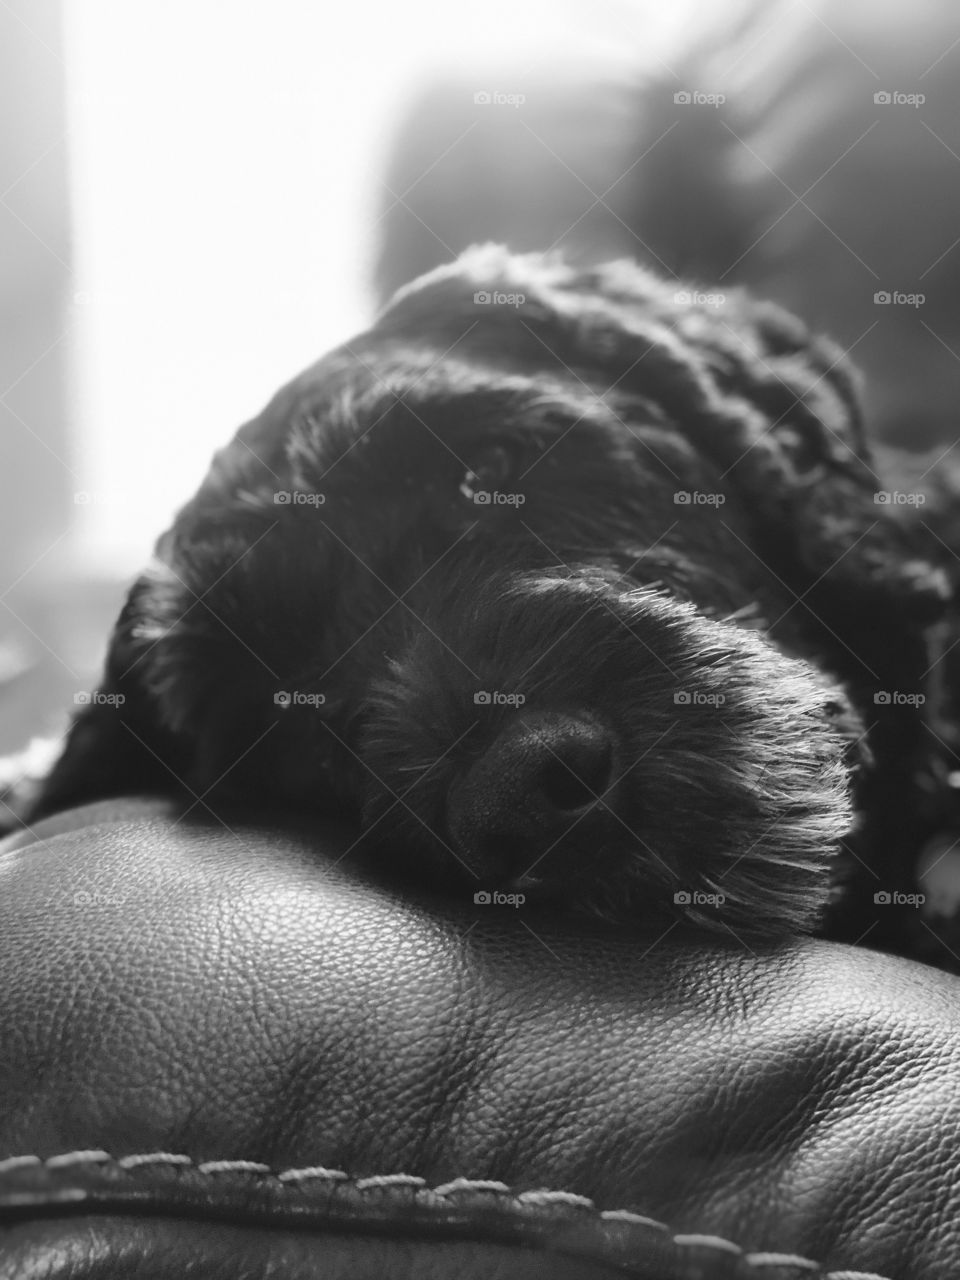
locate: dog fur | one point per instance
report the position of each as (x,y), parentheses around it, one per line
(335,623)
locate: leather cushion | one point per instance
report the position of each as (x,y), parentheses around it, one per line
(237,1028)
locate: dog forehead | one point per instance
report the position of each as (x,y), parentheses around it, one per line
(413,412)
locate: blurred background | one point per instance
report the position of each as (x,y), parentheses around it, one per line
(197,199)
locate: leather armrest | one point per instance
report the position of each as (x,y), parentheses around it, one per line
(233,1046)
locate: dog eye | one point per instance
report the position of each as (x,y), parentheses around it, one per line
(489,470)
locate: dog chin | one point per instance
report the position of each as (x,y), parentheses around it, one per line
(612,748)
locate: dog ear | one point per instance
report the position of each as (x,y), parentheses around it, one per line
(132,737)
(774,408)
(778,410)
(116,744)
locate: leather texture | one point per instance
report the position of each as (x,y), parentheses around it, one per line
(232,1049)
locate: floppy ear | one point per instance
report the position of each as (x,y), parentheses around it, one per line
(778,409)
(116,744)
(131,737)
(773,407)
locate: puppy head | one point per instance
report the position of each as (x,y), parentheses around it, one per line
(571,494)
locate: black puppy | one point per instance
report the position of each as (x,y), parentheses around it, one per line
(561,582)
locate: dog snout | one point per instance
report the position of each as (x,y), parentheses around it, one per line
(543,775)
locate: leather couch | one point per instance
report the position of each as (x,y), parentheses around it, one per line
(230,1052)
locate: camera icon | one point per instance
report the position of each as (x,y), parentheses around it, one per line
(282,699)
(681,498)
(82,498)
(482,99)
(681,898)
(683,97)
(482,699)
(481,298)
(882,98)
(481,498)
(482,898)
(882,699)
(882,898)
(681,698)
(281,499)
(882,298)
(82,899)
(882,498)
(683,298)
(82,699)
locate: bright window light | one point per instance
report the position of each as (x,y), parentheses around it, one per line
(225,159)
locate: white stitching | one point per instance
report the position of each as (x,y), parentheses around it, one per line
(633,1219)
(471,1184)
(71,1159)
(389,1180)
(555,1197)
(19,1162)
(313,1173)
(153,1157)
(692,1240)
(233,1166)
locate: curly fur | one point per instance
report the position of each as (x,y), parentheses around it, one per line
(784,603)
(751,770)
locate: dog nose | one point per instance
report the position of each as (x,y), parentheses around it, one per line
(575,771)
(543,774)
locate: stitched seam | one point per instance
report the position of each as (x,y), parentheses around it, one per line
(387,1181)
